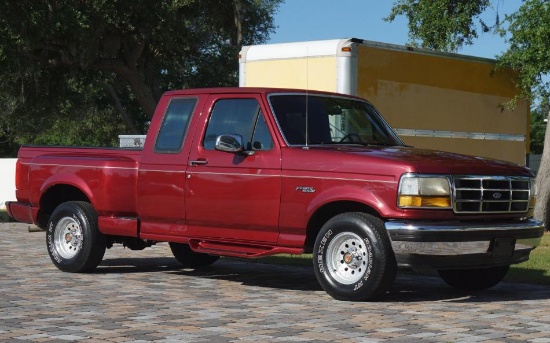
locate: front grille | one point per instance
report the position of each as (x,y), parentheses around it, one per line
(491,194)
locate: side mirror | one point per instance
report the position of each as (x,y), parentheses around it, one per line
(232,143)
(229,143)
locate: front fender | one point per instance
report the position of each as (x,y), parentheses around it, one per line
(350,193)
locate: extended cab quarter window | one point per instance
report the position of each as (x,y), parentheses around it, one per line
(242,117)
(174,125)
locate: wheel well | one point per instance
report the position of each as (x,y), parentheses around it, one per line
(55,196)
(324,213)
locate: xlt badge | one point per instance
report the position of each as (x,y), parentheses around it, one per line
(305,189)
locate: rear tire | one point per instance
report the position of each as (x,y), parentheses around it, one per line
(353,258)
(73,239)
(189,258)
(474,279)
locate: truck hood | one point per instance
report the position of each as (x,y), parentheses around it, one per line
(427,161)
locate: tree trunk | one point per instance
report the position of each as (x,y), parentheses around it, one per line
(143,94)
(543,182)
(123,113)
(238,17)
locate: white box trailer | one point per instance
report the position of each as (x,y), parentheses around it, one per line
(434,100)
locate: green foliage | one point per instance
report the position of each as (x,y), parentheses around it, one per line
(443,25)
(82,72)
(529,51)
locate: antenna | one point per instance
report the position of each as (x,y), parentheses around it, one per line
(307,96)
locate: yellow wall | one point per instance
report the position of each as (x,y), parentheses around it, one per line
(315,73)
(500,150)
(420,91)
(432,108)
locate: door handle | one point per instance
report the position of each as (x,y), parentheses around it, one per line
(198,162)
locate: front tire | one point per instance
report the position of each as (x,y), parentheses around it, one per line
(353,258)
(474,279)
(73,239)
(189,258)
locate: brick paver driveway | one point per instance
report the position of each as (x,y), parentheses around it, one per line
(144,296)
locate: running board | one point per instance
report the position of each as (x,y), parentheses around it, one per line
(240,250)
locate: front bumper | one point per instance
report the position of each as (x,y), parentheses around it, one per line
(451,245)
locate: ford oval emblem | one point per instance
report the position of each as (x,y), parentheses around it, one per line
(497,195)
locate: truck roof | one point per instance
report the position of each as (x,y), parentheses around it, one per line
(248,90)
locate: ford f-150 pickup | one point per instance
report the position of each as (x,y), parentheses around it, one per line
(251,172)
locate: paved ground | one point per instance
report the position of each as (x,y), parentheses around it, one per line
(143,296)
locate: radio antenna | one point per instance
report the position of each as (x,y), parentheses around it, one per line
(307,96)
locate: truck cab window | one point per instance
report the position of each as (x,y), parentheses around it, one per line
(242,117)
(174,125)
(330,120)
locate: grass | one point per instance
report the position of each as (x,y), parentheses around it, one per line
(4,218)
(537,269)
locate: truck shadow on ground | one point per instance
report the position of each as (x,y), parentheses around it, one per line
(408,287)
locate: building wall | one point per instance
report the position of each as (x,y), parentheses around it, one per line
(444,99)
(7,180)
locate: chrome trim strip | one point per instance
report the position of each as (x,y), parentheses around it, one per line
(336,178)
(193,172)
(456,248)
(440,248)
(459,134)
(442,227)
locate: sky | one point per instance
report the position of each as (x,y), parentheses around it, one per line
(303,20)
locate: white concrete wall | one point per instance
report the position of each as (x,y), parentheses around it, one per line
(7,180)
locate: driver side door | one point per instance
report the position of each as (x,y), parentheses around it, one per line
(234,196)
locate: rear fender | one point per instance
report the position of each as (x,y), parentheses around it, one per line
(69,180)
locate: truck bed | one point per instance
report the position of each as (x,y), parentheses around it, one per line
(93,170)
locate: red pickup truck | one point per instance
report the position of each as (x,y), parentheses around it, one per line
(251,172)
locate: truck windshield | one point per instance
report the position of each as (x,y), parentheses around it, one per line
(319,119)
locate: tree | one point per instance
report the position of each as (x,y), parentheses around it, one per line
(443,25)
(528,52)
(60,59)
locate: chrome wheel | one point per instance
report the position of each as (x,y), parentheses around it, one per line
(73,239)
(347,258)
(353,258)
(68,237)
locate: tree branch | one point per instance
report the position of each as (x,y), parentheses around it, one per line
(123,113)
(136,52)
(135,81)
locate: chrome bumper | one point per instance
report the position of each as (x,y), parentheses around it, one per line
(462,244)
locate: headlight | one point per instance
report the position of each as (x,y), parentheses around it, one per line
(416,191)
